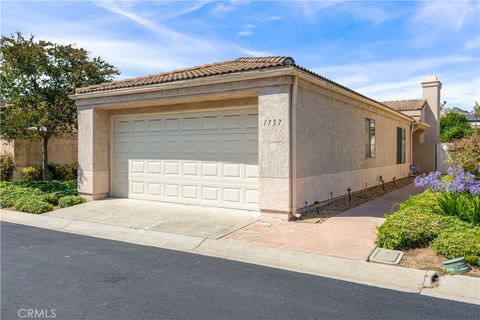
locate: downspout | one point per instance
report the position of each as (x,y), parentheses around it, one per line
(293,149)
(411,142)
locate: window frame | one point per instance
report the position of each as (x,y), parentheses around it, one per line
(370,136)
(401,145)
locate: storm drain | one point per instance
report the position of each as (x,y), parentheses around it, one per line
(386,256)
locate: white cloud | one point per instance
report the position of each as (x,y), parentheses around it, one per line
(222,8)
(434,19)
(246,31)
(401,78)
(159,49)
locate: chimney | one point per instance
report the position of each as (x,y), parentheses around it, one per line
(431,92)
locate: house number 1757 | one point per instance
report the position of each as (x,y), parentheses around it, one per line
(272,122)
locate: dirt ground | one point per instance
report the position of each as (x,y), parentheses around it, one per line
(427,259)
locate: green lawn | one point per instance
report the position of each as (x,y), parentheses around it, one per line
(38,196)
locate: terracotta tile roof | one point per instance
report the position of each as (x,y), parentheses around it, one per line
(214,69)
(406,105)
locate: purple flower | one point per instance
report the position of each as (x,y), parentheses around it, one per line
(474,189)
(459,181)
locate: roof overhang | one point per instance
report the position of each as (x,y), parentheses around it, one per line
(288,70)
(420,126)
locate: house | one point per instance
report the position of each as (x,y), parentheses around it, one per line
(252,133)
(473,120)
(427,153)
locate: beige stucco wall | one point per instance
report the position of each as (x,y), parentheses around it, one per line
(330,145)
(424,153)
(61,150)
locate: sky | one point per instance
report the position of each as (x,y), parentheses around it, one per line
(378,48)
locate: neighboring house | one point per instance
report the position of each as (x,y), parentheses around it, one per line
(446,111)
(252,133)
(428,154)
(473,120)
(61,150)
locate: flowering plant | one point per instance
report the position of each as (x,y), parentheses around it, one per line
(457,181)
(458,193)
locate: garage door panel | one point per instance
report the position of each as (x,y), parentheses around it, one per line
(199,158)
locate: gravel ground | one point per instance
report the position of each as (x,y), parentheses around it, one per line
(322,211)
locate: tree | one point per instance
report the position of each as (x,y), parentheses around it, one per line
(454,126)
(36,78)
(476,110)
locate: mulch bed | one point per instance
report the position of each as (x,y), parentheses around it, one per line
(319,212)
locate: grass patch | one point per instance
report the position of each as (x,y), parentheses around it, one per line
(35,196)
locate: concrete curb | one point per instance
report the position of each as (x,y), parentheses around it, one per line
(137,236)
(460,288)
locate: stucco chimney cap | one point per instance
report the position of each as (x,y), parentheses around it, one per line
(430,79)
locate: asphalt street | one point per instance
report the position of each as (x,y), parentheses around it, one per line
(66,276)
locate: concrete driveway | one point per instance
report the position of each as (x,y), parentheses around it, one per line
(203,222)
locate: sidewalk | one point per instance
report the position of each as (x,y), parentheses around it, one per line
(349,235)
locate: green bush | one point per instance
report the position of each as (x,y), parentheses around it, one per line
(424,200)
(46,191)
(7,165)
(455,133)
(454,126)
(32,205)
(32,173)
(69,201)
(415,227)
(465,206)
(460,243)
(63,172)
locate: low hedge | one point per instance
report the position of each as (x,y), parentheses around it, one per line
(420,223)
(69,201)
(32,205)
(459,243)
(27,195)
(414,228)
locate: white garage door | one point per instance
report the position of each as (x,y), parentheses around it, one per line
(204,158)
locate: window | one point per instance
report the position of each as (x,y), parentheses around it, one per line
(400,145)
(370,138)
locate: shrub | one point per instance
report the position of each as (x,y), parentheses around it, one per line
(465,153)
(63,172)
(7,165)
(455,133)
(32,173)
(424,200)
(415,227)
(46,191)
(32,205)
(462,205)
(69,201)
(454,126)
(457,194)
(460,243)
